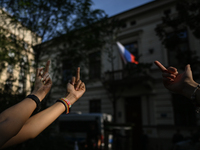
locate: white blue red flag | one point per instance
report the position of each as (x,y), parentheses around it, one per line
(126,55)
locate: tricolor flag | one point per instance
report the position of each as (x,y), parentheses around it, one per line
(126,55)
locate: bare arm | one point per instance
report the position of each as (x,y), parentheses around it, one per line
(13,118)
(37,123)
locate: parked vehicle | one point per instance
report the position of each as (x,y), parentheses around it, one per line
(79,127)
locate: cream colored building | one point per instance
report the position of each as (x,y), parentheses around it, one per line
(140,100)
(18,78)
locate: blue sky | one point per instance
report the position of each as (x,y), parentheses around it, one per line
(113,7)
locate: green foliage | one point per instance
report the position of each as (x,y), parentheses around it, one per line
(71,23)
(187,17)
(65,21)
(51,19)
(71,26)
(189,13)
(10,50)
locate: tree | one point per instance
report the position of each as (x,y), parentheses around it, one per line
(64,21)
(173,33)
(70,25)
(13,53)
(50,19)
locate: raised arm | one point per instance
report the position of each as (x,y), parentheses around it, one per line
(13,118)
(37,123)
(180,83)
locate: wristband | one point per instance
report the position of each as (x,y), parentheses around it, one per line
(37,101)
(193,98)
(66,103)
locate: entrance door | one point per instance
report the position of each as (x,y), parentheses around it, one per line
(133,115)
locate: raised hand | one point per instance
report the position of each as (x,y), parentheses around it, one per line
(174,81)
(43,82)
(76,88)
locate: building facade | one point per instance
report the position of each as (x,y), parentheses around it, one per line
(138,98)
(18,58)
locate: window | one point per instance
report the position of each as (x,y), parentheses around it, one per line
(95,106)
(13,37)
(32,77)
(33,64)
(66,71)
(184,111)
(9,84)
(95,65)
(124,25)
(25,45)
(132,48)
(23,73)
(10,69)
(22,81)
(167,12)
(20,87)
(11,53)
(133,23)
(75,126)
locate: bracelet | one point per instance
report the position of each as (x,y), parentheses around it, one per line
(193,98)
(37,101)
(66,103)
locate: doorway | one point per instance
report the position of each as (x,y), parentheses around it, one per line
(133,115)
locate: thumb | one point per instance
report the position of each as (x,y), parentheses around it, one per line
(188,70)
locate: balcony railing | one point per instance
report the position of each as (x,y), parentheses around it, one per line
(124,74)
(127,77)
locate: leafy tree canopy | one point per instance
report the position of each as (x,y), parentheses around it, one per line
(64,21)
(49,18)
(173,32)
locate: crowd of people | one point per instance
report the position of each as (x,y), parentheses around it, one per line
(17,126)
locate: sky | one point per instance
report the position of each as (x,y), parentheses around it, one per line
(113,7)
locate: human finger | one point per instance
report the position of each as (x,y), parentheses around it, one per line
(45,76)
(82,85)
(47,66)
(168,80)
(172,70)
(78,84)
(162,68)
(168,75)
(47,79)
(78,74)
(73,80)
(38,71)
(41,72)
(188,69)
